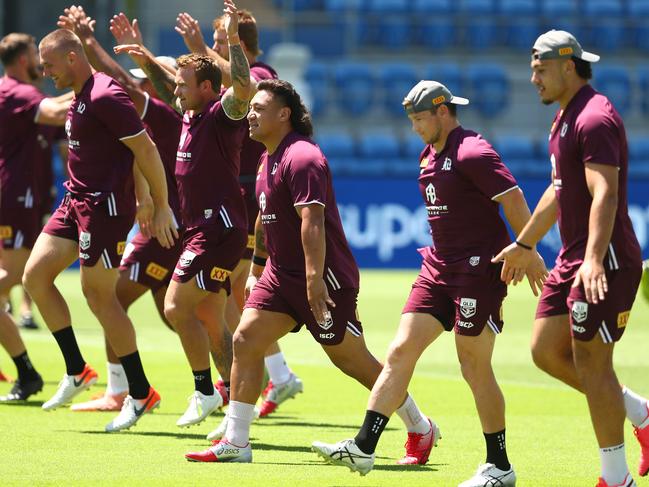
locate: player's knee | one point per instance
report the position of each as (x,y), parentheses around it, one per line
(32,282)
(97,299)
(540,357)
(399,353)
(173,313)
(472,367)
(246,344)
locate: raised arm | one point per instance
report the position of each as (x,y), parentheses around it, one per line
(75,19)
(236,99)
(161,78)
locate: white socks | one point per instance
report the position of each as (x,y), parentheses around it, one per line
(277,369)
(240,415)
(614,466)
(412,417)
(117,382)
(636,408)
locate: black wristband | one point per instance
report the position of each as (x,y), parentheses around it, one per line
(260,261)
(525,246)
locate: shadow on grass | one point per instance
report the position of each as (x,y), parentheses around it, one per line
(307,424)
(24,404)
(409,468)
(292,448)
(166,434)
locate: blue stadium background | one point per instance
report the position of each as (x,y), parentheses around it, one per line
(354,60)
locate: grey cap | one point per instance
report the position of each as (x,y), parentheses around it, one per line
(168,60)
(556,44)
(427,95)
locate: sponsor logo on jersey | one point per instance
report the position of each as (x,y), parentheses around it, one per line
(623,318)
(84,240)
(156,271)
(447,164)
(83,255)
(431,194)
(474,261)
(578,329)
(6,231)
(468,307)
(465,324)
(251,242)
(564,51)
(219,274)
(121,246)
(579,311)
(186,258)
(564,129)
(262,201)
(327,336)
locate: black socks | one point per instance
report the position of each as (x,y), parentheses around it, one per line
(370,432)
(496,450)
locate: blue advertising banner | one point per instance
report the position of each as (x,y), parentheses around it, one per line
(385,219)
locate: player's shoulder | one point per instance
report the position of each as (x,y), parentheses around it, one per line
(596,111)
(10,88)
(471,146)
(104,87)
(300,150)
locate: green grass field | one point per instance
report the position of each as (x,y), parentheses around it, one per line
(550,440)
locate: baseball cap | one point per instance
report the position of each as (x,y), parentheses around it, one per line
(168,60)
(427,95)
(556,44)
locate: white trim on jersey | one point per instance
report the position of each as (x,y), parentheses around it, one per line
(353,330)
(134,135)
(612,258)
(335,285)
(225,217)
(146,105)
(504,192)
(135,272)
(200,281)
(112,205)
(312,202)
(493,326)
(18,239)
(106,259)
(606,336)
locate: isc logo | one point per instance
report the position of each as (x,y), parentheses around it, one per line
(219,274)
(327,336)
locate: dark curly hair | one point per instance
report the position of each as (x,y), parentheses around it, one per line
(286,94)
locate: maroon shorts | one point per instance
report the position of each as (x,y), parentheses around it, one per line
(608,317)
(465,303)
(287,294)
(87,221)
(210,253)
(19,227)
(149,263)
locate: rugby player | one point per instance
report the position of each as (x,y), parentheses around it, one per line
(586,301)
(105,136)
(310,278)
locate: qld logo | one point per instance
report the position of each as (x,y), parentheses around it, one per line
(468,307)
(579,311)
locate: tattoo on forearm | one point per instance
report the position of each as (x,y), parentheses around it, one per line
(239,69)
(259,240)
(162,82)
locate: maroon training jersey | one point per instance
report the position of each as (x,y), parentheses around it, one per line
(165,125)
(458,186)
(296,174)
(590,130)
(98,162)
(207,168)
(19,144)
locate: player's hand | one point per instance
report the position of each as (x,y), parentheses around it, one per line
(231,19)
(74,18)
(319,300)
(190,30)
(144,215)
(137,53)
(251,282)
(592,276)
(515,261)
(124,31)
(536,274)
(164,226)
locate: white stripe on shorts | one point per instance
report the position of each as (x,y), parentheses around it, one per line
(332,280)
(112,206)
(106,258)
(613,257)
(353,329)
(225,217)
(200,281)
(493,326)
(606,336)
(135,271)
(19,239)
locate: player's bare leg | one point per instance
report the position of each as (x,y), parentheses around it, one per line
(181,304)
(214,320)
(26,314)
(552,349)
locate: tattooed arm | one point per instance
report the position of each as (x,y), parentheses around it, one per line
(235,101)
(160,77)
